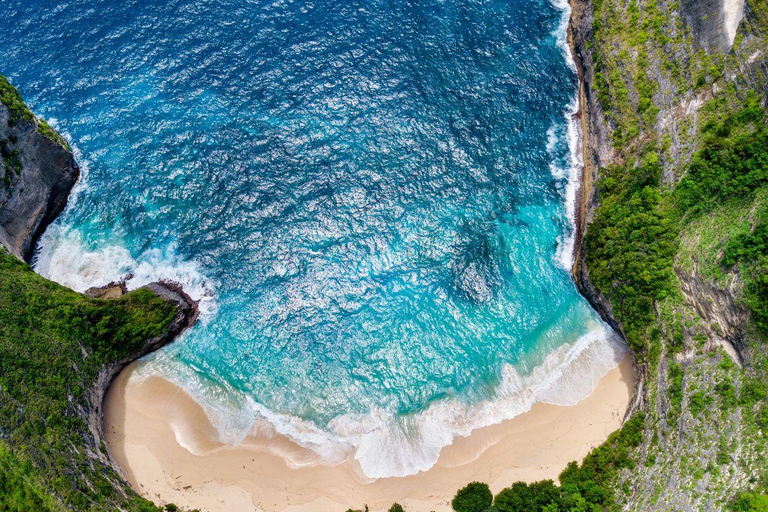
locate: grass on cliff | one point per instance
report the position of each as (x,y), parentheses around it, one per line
(10,97)
(53,342)
(635,238)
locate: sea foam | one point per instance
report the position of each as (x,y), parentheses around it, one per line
(569,171)
(64,256)
(384,444)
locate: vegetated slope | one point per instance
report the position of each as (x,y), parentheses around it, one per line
(677,244)
(58,351)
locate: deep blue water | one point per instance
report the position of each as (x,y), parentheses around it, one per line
(369,197)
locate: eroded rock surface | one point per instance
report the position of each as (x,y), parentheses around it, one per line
(36,176)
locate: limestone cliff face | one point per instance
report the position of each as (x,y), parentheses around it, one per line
(596,150)
(676,60)
(710,22)
(37,175)
(725,315)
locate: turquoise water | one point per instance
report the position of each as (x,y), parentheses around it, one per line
(371,200)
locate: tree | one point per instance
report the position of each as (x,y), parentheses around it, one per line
(475,497)
(521,497)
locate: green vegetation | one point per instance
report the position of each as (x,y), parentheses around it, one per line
(475,497)
(10,160)
(18,110)
(19,487)
(631,246)
(733,166)
(53,342)
(46,131)
(750,502)
(396,508)
(11,98)
(522,497)
(586,487)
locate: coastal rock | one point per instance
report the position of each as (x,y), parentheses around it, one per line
(109,291)
(38,175)
(186,315)
(725,315)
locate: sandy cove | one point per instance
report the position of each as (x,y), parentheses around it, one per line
(140,416)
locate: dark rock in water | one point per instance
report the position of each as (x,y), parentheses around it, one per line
(476,273)
(36,175)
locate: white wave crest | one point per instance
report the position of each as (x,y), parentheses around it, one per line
(572,170)
(387,445)
(64,257)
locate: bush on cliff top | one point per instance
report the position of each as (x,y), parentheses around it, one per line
(11,98)
(583,488)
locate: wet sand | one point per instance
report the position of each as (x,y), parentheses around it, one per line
(152,428)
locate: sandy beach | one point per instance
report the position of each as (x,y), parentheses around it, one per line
(143,416)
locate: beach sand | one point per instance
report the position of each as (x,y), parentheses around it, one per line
(141,415)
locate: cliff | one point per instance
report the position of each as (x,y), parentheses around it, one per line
(669,252)
(60,350)
(38,173)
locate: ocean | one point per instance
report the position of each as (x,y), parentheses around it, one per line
(372,201)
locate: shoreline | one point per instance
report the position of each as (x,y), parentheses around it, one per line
(595,152)
(148,422)
(143,439)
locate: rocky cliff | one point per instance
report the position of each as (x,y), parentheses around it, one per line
(38,172)
(60,350)
(661,82)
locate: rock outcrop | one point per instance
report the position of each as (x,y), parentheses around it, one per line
(38,174)
(186,316)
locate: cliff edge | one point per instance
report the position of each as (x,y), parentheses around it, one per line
(38,173)
(60,350)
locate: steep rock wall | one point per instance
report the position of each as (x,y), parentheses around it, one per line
(38,174)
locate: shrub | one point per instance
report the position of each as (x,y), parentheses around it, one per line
(475,497)
(396,508)
(521,497)
(750,502)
